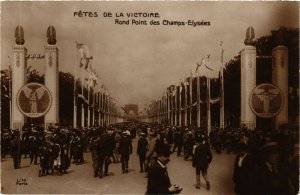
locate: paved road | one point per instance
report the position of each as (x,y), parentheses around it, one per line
(80,178)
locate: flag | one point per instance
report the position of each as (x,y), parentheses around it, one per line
(187,81)
(204,62)
(214,101)
(194,104)
(5,88)
(222,56)
(85,56)
(93,78)
(180,85)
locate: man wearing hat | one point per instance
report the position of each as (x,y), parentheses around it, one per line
(141,150)
(270,177)
(151,148)
(158,179)
(243,169)
(201,160)
(125,150)
(15,146)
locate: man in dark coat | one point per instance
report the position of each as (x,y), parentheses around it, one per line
(243,169)
(110,145)
(94,142)
(33,147)
(141,150)
(158,179)
(125,150)
(201,160)
(270,177)
(188,145)
(15,146)
(178,142)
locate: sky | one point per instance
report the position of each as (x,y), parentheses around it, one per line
(136,63)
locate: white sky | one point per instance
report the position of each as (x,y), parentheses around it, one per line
(137,63)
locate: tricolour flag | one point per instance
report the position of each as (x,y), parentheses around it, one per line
(85,56)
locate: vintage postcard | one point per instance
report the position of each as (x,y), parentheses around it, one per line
(97,97)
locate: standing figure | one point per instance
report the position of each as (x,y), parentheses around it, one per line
(178,142)
(243,169)
(201,160)
(44,158)
(33,147)
(158,179)
(188,145)
(117,156)
(33,101)
(95,155)
(271,177)
(150,154)
(125,150)
(57,156)
(102,151)
(141,150)
(15,146)
(65,161)
(110,146)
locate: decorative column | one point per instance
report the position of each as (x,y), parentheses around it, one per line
(19,68)
(280,76)
(51,76)
(248,79)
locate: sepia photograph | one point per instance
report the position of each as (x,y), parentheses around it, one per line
(149,97)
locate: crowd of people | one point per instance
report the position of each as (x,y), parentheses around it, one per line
(267,162)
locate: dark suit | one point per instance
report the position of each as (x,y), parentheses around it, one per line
(158,180)
(125,150)
(242,175)
(202,157)
(178,142)
(267,182)
(16,151)
(141,151)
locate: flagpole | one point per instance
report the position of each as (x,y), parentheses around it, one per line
(191,96)
(82,103)
(168,107)
(185,103)
(93,108)
(88,104)
(198,101)
(74,100)
(10,97)
(171,108)
(222,116)
(176,106)
(180,103)
(208,107)
(99,108)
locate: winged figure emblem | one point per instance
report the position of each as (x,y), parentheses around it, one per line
(34,95)
(266,95)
